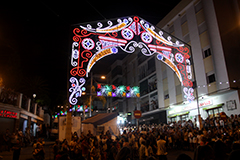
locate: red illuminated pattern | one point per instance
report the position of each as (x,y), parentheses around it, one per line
(8,114)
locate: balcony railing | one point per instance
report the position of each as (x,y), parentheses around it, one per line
(8,96)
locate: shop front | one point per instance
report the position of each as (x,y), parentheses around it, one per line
(154,117)
(29,120)
(9,118)
(209,106)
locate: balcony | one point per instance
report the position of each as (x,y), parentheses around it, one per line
(20,101)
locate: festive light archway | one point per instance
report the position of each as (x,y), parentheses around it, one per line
(94,41)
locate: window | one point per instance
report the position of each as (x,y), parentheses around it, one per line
(211,78)
(183,19)
(151,65)
(194,85)
(214,112)
(198,7)
(202,28)
(231,105)
(184,117)
(171,29)
(166,94)
(143,88)
(173,119)
(206,53)
(116,71)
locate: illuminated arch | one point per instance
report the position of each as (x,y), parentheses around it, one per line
(92,42)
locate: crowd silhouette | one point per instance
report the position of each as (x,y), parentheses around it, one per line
(218,139)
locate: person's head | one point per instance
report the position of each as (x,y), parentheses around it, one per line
(220,149)
(204,153)
(38,145)
(234,155)
(235,146)
(57,141)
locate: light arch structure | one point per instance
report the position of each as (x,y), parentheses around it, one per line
(93,41)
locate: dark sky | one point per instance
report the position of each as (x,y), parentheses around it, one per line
(34,36)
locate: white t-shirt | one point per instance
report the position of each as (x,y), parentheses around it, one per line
(190,136)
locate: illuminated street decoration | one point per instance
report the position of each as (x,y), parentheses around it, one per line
(117,91)
(93,41)
(76,89)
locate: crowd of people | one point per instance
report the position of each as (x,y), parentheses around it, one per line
(217,140)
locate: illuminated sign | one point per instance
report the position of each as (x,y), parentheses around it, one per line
(117,91)
(93,41)
(8,114)
(205,103)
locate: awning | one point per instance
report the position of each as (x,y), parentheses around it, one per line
(180,114)
(100,118)
(213,106)
(172,116)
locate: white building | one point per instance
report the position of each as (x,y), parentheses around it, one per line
(212,29)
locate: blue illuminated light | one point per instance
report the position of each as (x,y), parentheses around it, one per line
(114,50)
(159,56)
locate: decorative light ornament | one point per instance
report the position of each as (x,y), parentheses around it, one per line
(127,34)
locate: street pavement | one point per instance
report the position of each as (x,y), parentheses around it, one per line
(26,153)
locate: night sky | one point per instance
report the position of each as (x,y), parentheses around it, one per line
(35,41)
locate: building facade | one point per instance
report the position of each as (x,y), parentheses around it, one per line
(214,39)
(17,112)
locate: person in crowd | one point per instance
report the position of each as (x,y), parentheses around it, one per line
(16,149)
(65,147)
(220,150)
(161,148)
(213,141)
(143,151)
(235,154)
(56,148)
(38,152)
(7,140)
(85,147)
(205,152)
(124,154)
(113,151)
(72,145)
